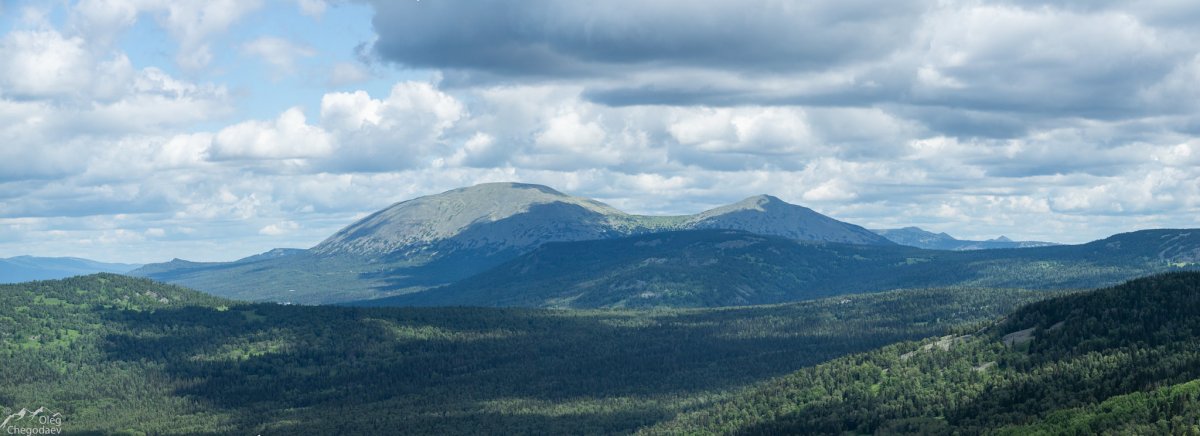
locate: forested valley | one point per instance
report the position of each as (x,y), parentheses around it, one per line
(115,354)
(119,354)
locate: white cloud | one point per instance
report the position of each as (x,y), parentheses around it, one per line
(349,111)
(287,137)
(566,132)
(974,118)
(42,64)
(400,131)
(754,130)
(480,150)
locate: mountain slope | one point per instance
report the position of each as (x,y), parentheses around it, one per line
(767,215)
(491,217)
(1061,366)
(27,268)
(720,268)
(439,239)
(920,238)
(119,355)
(699,268)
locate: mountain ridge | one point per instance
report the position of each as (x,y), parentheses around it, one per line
(711,268)
(438,239)
(917,237)
(26,268)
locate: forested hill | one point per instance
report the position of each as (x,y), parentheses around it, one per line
(722,267)
(1121,360)
(115,354)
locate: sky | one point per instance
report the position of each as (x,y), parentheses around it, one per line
(145,130)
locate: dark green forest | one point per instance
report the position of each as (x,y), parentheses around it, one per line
(699,268)
(716,268)
(119,354)
(1121,360)
(115,354)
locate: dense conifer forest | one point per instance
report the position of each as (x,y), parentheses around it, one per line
(113,353)
(119,354)
(1121,360)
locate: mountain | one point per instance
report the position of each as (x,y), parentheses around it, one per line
(274,253)
(920,238)
(122,355)
(488,218)
(498,217)
(1120,360)
(711,268)
(26,268)
(767,215)
(440,239)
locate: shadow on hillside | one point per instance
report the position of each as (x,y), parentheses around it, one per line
(475,370)
(485,244)
(438,272)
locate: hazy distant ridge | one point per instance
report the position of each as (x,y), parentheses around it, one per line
(921,238)
(26,268)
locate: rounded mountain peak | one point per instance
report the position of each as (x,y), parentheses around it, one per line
(439,217)
(769,215)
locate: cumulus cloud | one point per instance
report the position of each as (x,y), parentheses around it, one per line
(287,137)
(402,130)
(970,117)
(46,63)
(65,100)
(989,69)
(746,130)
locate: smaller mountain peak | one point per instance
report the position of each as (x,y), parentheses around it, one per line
(1002,238)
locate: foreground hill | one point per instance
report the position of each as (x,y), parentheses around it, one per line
(723,268)
(27,268)
(920,238)
(439,239)
(116,354)
(1121,360)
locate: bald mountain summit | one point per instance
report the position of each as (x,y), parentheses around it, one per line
(440,239)
(497,217)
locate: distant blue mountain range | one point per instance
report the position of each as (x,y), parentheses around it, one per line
(26,268)
(921,238)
